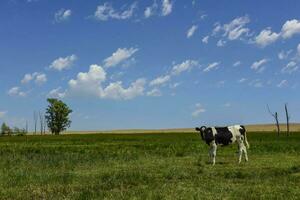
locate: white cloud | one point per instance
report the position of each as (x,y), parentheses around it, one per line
(191,31)
(39,78)
(63,63)
(256,83)
(237,63)
(290,67)
(57,93)
(205,39)
(242,80)
(266,37)
(298,49)
(259,65)
(282,84)
(198,110)
(184,66)
(150,10)
(235,29)
(91,84)
(116,91)
(2,114)
(27,78)
(88,83)
(106,11)
(119,56)
(211,66)
(160,80)
(221,43)
(284,54)
(154,93)
(167,6)
(290,28)
(62,15)
(15,91)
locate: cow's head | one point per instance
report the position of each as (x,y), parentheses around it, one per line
(202,130)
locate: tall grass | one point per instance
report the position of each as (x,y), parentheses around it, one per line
(146,166)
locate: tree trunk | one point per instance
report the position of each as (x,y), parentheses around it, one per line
(287,120)
(277,123)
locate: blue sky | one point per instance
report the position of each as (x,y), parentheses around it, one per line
(150,64)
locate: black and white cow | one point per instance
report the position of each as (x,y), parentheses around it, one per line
(214,136)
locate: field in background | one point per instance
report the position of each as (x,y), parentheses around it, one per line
(295,127)
(146,166)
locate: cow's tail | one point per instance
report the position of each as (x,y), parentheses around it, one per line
(243,132)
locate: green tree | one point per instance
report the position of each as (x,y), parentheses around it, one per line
(5,129)
(57,116)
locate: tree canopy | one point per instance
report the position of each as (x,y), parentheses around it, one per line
(57,116)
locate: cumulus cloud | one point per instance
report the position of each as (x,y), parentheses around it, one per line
(160,80)
(121,55)
(154,92)
(57,93)
(62,15)
(211,66)
(242,80)
(40,79)
(167,6)
(205,39)
(233,30)
(282,84)
(221,43)
(16,91)
(91,84)
(290,67)
(184,66)
(266,37)
(256,83)
(106,11)
(63,63)
(191,31)
(237,63)
(290,28)
(198,110)
(259,65)
(150,10)
(284,54)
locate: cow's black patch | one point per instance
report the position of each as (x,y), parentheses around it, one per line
(242,130)
(223,136)
(208,136)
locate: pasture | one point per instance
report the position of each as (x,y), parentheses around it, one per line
(147,166)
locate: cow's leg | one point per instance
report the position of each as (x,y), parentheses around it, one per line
(240,143)
(210,153)
(245,151)
(214,152)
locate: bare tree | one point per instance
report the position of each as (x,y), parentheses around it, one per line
(41,122)
(287,119)
(275,115)
(35,118)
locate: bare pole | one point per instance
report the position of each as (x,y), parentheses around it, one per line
(41,122)
(35,118)
(275,115)
(287,119)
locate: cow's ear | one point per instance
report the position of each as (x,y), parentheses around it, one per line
(203,128)
(197,129)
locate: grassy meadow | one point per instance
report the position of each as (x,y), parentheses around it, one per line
(146,166)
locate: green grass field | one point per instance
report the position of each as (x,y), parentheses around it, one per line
(146,166)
